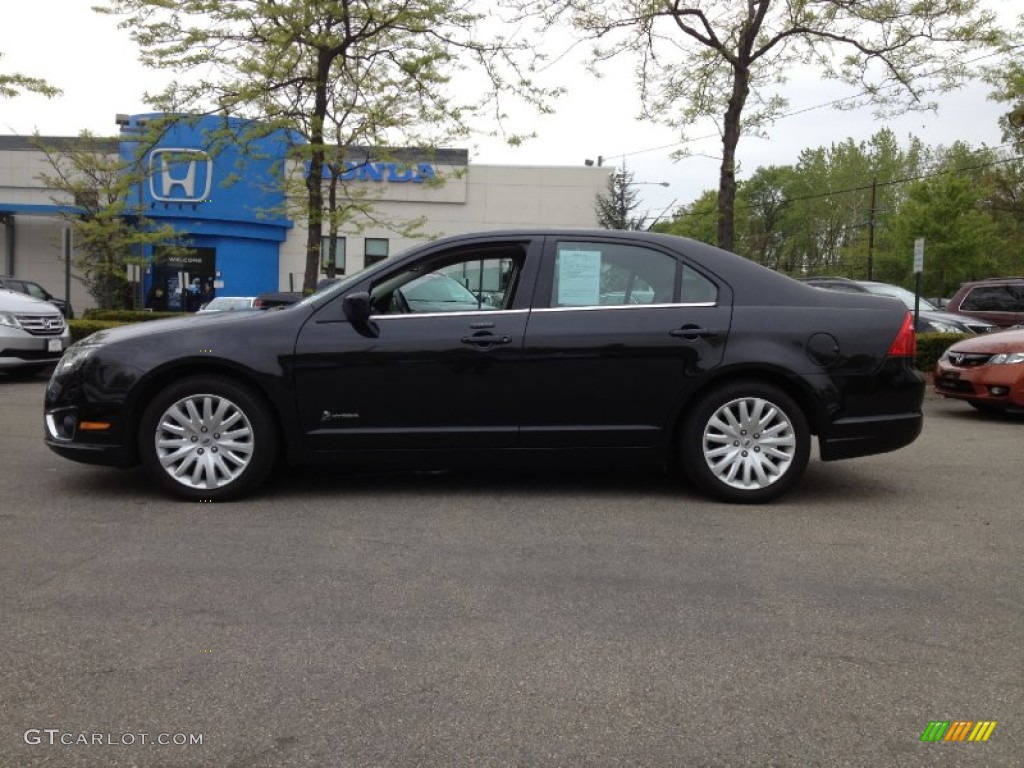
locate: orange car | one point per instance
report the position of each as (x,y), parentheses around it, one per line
(986,371)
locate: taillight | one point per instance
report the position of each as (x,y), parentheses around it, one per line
(905,343)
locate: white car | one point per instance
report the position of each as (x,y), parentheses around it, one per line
(228,304)
(33,334)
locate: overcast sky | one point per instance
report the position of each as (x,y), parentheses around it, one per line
(96,66)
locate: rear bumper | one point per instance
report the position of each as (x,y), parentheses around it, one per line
(864,436)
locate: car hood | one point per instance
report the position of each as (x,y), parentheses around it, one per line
(176,324)
(12,301)
(951,317)
(992,343)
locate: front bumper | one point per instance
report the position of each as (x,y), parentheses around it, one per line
(999,385)
(19,348)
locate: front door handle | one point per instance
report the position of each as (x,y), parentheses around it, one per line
(486,339)
(692,332)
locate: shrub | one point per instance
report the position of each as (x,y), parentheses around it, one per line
(930,347)
(127,315)
(82,328)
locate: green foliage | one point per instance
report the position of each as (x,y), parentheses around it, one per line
(960,239)
(855,210)
(126,315)
(930,347)
(614,208)
(696,220)
(82,328)
(13,84)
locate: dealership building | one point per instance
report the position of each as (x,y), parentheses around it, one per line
(244,236)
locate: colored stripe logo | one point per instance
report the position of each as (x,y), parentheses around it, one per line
(958,730)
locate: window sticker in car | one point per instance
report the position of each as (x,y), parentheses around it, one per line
(579,277)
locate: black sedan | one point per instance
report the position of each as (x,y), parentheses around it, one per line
(585,346)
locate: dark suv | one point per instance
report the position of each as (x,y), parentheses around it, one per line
(36,291)
(999,300)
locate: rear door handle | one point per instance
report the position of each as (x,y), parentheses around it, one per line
(692,332)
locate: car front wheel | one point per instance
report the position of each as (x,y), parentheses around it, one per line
(747,442)
(208,438)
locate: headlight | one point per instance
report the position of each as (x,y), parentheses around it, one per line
(939,327)
(1007,358)
(6,318)
(945,356)
(73,358)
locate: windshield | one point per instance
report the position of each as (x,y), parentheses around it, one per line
(907,297)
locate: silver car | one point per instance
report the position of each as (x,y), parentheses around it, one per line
(33,334)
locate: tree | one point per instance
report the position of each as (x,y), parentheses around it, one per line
(12,85)
(92,184)
(695,220)
(721,59)
(372,72)
(614,208)
(959,238)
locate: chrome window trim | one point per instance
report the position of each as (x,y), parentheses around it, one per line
(467,313)
(590,308)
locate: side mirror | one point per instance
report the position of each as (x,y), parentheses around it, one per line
(357,309)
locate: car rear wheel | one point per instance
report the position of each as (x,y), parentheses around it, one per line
(747,442)
(208,438)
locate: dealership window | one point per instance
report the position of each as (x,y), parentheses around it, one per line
(376,249)
(325,255)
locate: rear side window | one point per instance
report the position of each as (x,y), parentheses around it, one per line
(595,274)
(995,298)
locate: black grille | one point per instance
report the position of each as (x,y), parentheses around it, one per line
(42,325)
(965,360)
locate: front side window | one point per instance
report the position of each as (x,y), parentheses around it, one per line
(467,282)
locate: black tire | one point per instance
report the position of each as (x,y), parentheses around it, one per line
(725,421)
(182,450)
(27,371)
(986,407)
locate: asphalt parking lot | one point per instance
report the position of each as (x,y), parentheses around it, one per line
(494,619)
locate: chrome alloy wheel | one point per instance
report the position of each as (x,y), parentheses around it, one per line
(749,443)
(204,441)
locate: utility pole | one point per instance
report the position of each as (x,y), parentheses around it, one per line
(871,229)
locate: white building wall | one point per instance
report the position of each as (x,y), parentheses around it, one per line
(38,239)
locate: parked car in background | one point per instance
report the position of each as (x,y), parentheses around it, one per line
(726,374)
(999,300)
(931,319)
(272,299)
(36,291)
(33,334)
(228,304)
(987,372)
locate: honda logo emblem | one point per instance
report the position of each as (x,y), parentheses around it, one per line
(957,358)
(180,175)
